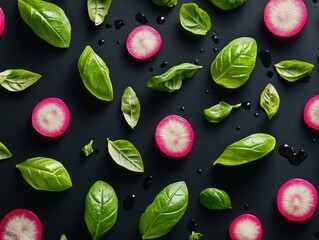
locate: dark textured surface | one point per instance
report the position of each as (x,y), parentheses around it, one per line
(252,187)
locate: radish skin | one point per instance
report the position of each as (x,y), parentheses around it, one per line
(245,227)
(2,21)
(297,199)
(311,112)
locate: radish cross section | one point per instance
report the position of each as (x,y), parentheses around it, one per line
(245,227)
(311,112)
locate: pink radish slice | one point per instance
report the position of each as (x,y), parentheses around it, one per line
(51,117)
(20,224)
(311,112)
(245,227)
(2,22)
(143,42)
(174,136)
(285,18)
(297,199)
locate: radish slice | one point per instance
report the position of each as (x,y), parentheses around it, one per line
(311,112)
(2,22)
(51,117)
(245,227)
(20,224)
(297,199)
(143,42)
(285,18)
(174,136)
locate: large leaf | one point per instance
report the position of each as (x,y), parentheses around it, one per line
(126,155)
(46,174)
(98,9)
(234,64)
(47,20)
(165,211)
(101,209)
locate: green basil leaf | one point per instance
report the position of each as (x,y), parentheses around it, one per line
(63,237)
(88,149)
(101,209)
(16,80)
(234,64)
(165,211)
(95,74)
(45,174)
(130,106)
(228,4)
(47,20)
(293,70)
(195,236)
(4,152)
(165,3)
(219,112)
(98,9)
(126,155)
(269,100)
(248,149)
(172,79)
(194,19)
(213,198)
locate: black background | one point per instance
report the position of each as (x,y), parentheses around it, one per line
(254,184)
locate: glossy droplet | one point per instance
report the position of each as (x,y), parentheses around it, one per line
(196,61)
(147,182)
(289,152)
(150,69)
(101,42)
(314,1)
(207,91)
(199,171)
(140,17)
(163,64)
(265,57)
(118,42)
(246,105)
(314,140)
(201,50)
(238,128)
(215,37)
(246,207)
(256,114)
(129,202)
(192,225)
(270,74)
(119,24)
(160,20)
(182,108)
(215,50)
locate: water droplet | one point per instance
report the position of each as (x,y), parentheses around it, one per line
(289,152)
(140,17)
(147,182)
(265,58)
(246,207)
(207,91)
(151,69)
(201,50)
(118,42)
(256,114)
(160,20)
(314,1)
(129,202)
(196,61)
(238,128)
(101,42)
(199,171)
(192,225)
(182,108)
(119,24)
(163,64)
(314,140)
(270,74)
(246,105)
(215,50)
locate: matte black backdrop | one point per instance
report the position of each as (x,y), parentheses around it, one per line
(253,185)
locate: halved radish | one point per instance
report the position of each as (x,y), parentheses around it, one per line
(311,112)
(143,42)
(285,18)
(2,21)
(245,227)
(21,224)
(174,136)
(51,117)
(297,199)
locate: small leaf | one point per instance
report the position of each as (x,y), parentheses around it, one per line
(219,112)
(213,198)
(126,155)
(63,237)
(195,236)
(130,106)
(293,70)
(88,149)
(16,80)
(98,9)
(101,209)
(4,152)
(269,100)
(45,174)
(248,149)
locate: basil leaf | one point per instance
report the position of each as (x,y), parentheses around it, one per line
(4,152)
(213,198)
(248,149)
(194,19)
(293,70)
(16,80)
(234,64)
(98,9)
(101,209)
(172,79)
(45,174)
(219,112)
(228,4)
(95,74)
(269,100)
(165,211)
(47,20)
(195,236)
(130,106)
(88,149)
(126,155)
(165,3)
(63,237)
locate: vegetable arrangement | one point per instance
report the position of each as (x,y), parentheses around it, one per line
(174,135)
